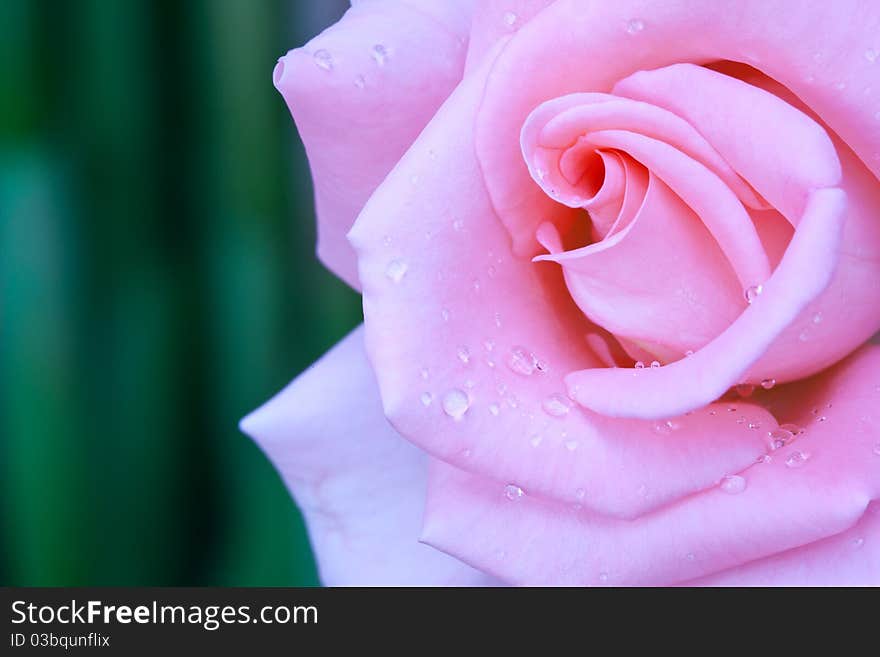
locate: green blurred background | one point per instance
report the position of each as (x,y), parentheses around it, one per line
(158,282)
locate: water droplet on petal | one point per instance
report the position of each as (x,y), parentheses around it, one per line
(817,318)
(380,54)
(513,492)
(464,354)
(455,403)
(779,438)
(571,445)
(424,373)
(796,459)
(494,409)
(359,82)
(535,440)
(458,225)
(510,18)
(733,484)
(603,577)
(745,389)
(639,365)
(396,270)
(444,314)
(634,26)
(427,398)
(768,383)
(871,55)
(753,292)
(858,542)
(556,405)
(690,556)
(580,493)
(323,59)
(655,364)
(521,361)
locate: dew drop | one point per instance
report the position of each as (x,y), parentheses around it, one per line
(858,542)
(426,398)
(535,440)
(733,484)
(513,492)
(764,458)
(458,225)
(639,365)
(489,345)
(424,373)
(753,292)
(768,383)
(323,59)
(634,26)
(655,364)
(521,361)
(871,55)
(571,445)
(603,577)
(380,54)
(455,403)
(779,438)
(494,409)
(359,82)
(817,318)
(690,556)
(396,270)
(491,271)
(464,354)
(580,493)
(444,314)
(745,389)
(792,428)
(556,405)
(796,459)
(510,18)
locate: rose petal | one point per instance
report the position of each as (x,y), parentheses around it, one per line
(816,487)
(360,92)
(359,485)
(450,313)
(804,272)
(620,38)
(680,295)
(784,154)
(495,20)
(851,558)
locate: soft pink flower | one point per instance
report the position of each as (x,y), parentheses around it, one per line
(539,194)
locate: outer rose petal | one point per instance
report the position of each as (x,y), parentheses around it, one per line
(851,558)
(814,488)
(496,19)
(360,92)
(360,486)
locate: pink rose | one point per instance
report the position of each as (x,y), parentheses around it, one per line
(619,265)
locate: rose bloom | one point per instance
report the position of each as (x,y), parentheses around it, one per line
(619,264)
